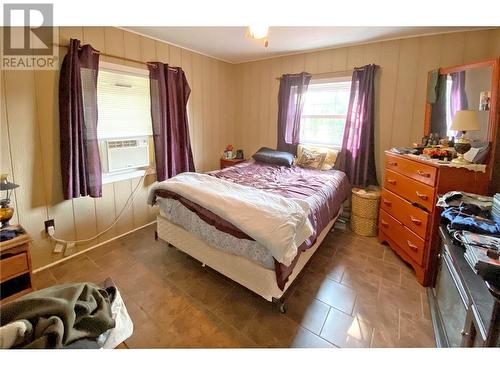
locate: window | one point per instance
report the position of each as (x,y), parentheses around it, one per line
(124,127)
(325,111)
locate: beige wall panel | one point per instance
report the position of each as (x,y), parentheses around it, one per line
(452,51)
(428,59)
(325,60)
(67,33)
(175,55)
(355,56)
(132,44)
(207,123)
(148,50)
(372,53)
(405,92)
(388,78)
(46,88)
(476,46)
(5,154)
(114,44)
(264,85)
(311,63)
(339,60)
(94,35)
(162,52)
(494,38)
(25,140)
(105,212)
(196,101)
(140,208)
(273,103)
(298,63)
(85,220)
(123,189)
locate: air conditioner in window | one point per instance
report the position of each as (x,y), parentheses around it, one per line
(126,154)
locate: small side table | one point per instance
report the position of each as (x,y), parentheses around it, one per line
(15,268)
(224,163)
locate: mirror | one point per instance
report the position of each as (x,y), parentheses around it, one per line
(461,89)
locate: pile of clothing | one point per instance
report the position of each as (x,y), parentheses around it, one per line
(73,316)
(471,212)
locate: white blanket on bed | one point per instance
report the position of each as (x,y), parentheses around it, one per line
(278,223)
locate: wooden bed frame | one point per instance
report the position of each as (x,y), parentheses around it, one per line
(258,279)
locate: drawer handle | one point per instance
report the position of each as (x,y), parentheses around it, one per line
(393,163)
(384,223)
(415,220)
(391,181)
(421,196)
(387,202)
(423,174)
(411,246)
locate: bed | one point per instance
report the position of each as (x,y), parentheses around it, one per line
(217,238)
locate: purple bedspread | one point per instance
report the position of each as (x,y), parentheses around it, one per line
(324,190)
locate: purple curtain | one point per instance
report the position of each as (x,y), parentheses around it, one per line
(291,96)
(169,96)
(357,157)
(458,97)
(80,162)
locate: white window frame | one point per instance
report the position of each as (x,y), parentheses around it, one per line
(320,81)
(108,178)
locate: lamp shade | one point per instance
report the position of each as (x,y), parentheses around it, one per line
(465,120)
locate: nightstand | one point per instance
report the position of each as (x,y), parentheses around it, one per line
(15,268)
(224,163)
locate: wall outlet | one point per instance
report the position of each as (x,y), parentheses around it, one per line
(58,248)
(48,224)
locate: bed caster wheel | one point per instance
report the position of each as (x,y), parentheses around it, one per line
(282,307)
(280,304)
(156,236)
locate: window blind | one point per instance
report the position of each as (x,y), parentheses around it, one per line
(124,107)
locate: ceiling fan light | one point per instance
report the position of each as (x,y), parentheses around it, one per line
(258,31)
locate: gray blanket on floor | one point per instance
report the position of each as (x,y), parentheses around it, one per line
(57,316)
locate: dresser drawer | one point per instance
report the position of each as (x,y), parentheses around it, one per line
(413,169)
(414,191)
(13,265)
(411,244)
(413,217)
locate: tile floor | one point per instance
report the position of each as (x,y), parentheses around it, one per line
(353,293)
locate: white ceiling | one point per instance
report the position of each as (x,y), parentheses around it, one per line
(232,44)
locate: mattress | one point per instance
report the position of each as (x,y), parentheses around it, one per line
(177,213)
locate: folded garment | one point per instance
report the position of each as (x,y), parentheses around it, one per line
(472,218)
(60,315)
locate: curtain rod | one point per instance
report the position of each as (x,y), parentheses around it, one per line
(116,57)
(328,74)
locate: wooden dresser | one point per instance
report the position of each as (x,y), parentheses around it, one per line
(408,217)
(15,268)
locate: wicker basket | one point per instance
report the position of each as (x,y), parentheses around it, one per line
(364,206)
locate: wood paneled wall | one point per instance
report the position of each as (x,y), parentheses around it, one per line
(401,84)
(30,138)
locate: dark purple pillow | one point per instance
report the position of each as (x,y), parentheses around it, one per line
(270,156)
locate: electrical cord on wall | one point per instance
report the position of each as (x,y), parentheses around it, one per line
(129,202)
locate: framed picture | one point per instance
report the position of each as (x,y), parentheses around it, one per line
(485,101)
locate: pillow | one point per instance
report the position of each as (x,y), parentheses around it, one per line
(331,155)
(311,159)
(270,156)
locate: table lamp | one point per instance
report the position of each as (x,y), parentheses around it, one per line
(463,121)
(6,212)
